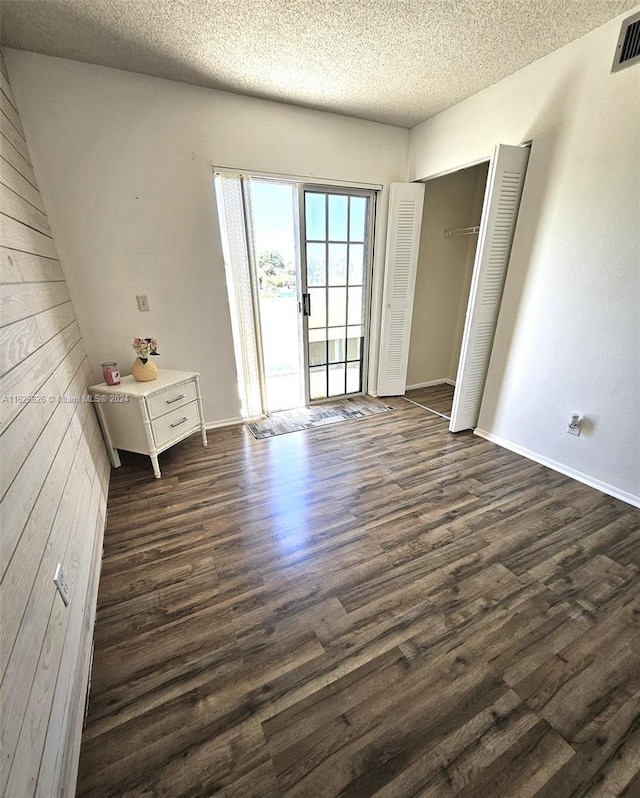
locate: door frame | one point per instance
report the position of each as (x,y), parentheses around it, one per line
(351,191)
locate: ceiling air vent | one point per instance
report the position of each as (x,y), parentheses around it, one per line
(628,47)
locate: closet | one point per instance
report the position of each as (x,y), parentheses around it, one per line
(448,240)
(458,298)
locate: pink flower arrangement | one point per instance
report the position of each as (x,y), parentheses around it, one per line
(144,347)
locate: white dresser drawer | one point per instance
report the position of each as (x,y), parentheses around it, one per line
(171,399)
(176,424)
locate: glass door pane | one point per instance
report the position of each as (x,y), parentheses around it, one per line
(274,236)
(336,266)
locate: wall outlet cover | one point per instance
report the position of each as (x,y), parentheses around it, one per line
(62,584)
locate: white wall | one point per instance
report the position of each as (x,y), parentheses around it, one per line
(443,275)
(124,164)
(568,334)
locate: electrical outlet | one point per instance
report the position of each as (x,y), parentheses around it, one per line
(143,302)
(574,425)
(62,584)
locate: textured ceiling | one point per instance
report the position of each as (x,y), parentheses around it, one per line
(395,61)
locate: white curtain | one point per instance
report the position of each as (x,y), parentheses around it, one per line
(233,216)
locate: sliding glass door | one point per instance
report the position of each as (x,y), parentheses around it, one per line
(336,268)
(298,268)
(274,244)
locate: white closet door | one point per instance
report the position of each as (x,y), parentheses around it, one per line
(403,239)
(499,214)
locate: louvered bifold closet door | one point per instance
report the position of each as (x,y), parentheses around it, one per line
(499,215)
(403,239)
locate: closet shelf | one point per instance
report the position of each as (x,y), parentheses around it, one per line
(461,231)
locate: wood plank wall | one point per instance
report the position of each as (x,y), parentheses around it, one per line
(54,477)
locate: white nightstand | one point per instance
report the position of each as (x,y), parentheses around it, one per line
(149,417)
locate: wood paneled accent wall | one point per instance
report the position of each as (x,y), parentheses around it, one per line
(54,476)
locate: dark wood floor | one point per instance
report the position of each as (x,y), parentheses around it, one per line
(378,608)
(437,398)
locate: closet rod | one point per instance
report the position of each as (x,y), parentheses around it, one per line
(461,231)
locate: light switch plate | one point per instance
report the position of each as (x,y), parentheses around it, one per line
(143,302)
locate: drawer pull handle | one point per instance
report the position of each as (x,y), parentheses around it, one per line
(182,420)
(177,399)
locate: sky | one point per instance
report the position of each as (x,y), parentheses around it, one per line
(274,211)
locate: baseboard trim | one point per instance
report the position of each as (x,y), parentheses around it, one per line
(430,383)
(223,422)
(604,487)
